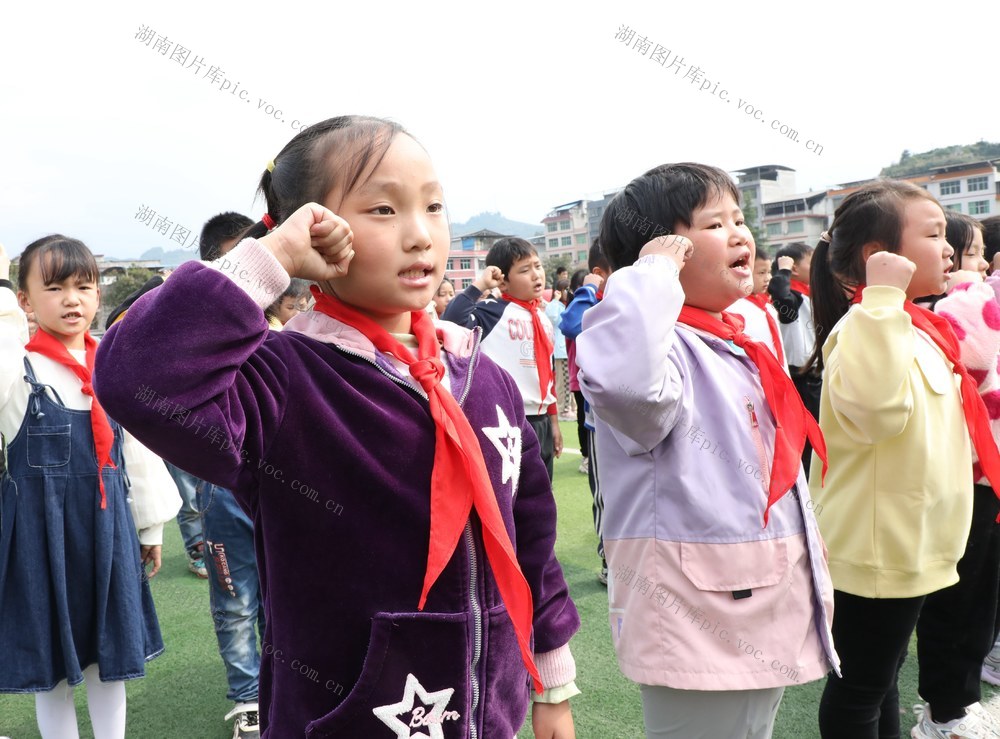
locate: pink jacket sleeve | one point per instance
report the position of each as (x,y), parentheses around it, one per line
(973,309)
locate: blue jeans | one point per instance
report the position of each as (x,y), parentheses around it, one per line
(188,517)
(234,588)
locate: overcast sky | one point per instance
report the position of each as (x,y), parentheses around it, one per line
(522,106)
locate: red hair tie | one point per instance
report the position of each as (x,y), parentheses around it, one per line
(268,221)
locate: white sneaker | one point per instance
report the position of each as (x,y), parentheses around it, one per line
(247,724)
(970,726)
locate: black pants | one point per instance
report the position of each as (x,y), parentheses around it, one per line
(582,432)
(871,636)
(546,443)
(809,386)
(958,625)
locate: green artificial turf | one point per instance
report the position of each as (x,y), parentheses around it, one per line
(183,695)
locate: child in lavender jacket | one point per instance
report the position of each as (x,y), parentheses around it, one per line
(711,611)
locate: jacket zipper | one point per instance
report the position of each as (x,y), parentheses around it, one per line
(765,473)
(470,543)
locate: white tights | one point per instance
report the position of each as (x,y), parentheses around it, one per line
(56,712)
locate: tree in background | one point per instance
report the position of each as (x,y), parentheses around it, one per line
(552,264)
(114,294)
(750,219)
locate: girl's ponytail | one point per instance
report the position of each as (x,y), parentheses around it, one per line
(829,301)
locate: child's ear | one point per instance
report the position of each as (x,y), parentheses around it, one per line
(22,300)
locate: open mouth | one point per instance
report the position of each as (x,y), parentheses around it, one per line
(418,275)
(72,316)
(741,265)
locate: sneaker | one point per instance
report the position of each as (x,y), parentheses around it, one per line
(602,576)
(247,724)
(989,721)
(196,564)
(970,726)
(584,468)
(991,670)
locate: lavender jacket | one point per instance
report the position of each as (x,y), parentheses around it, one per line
(702,595)
(329,447)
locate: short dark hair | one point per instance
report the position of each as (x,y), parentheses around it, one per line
(57,258)
(652,205)
(507,251)
(762,253)
(796,250)
(596,258)
(991,237)
(218,229)
(576,280)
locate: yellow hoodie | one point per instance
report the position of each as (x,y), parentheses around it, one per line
(897,504)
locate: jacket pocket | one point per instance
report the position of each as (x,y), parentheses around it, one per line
(933,367)
(734,567)
(49,446)
(414,681)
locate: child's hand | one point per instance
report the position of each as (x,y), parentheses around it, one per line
(557,439)
(489,278)
(786,262)
(962,276)
(4,264)
(678,248)
(595,280)
(886,268)
(151,555)
(996,262)
(552,721)
(313,243)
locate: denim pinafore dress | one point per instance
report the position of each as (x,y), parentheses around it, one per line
(72,590)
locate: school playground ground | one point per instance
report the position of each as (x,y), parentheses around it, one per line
(183,695)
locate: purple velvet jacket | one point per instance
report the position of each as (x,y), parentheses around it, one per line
(329,449)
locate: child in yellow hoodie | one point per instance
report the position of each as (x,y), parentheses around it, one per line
(897,409)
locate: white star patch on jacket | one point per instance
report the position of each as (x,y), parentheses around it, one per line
(507,440)
(420,717)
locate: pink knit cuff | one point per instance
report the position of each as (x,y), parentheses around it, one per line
(556,668)
(254,268)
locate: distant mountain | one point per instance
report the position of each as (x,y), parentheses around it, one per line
(910,164)
(171,258)
(496,222)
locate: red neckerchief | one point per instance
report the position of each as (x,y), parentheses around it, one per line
(792,422)
(762,300)
(459,479)
(976,416)
(48,346)
(543,344)
(801,287)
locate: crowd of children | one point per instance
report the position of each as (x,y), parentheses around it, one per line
(793,460)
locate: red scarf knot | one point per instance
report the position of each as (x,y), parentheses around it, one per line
(793,423)
(428,372)
(543,344)
(459,479)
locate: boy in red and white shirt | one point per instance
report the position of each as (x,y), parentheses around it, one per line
(517,334)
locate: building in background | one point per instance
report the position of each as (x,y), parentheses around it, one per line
(595,212)
(971,188)
(567,232)
(802,217)
(768,183)
(467,257)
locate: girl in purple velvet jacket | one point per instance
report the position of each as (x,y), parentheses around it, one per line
(407,562)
